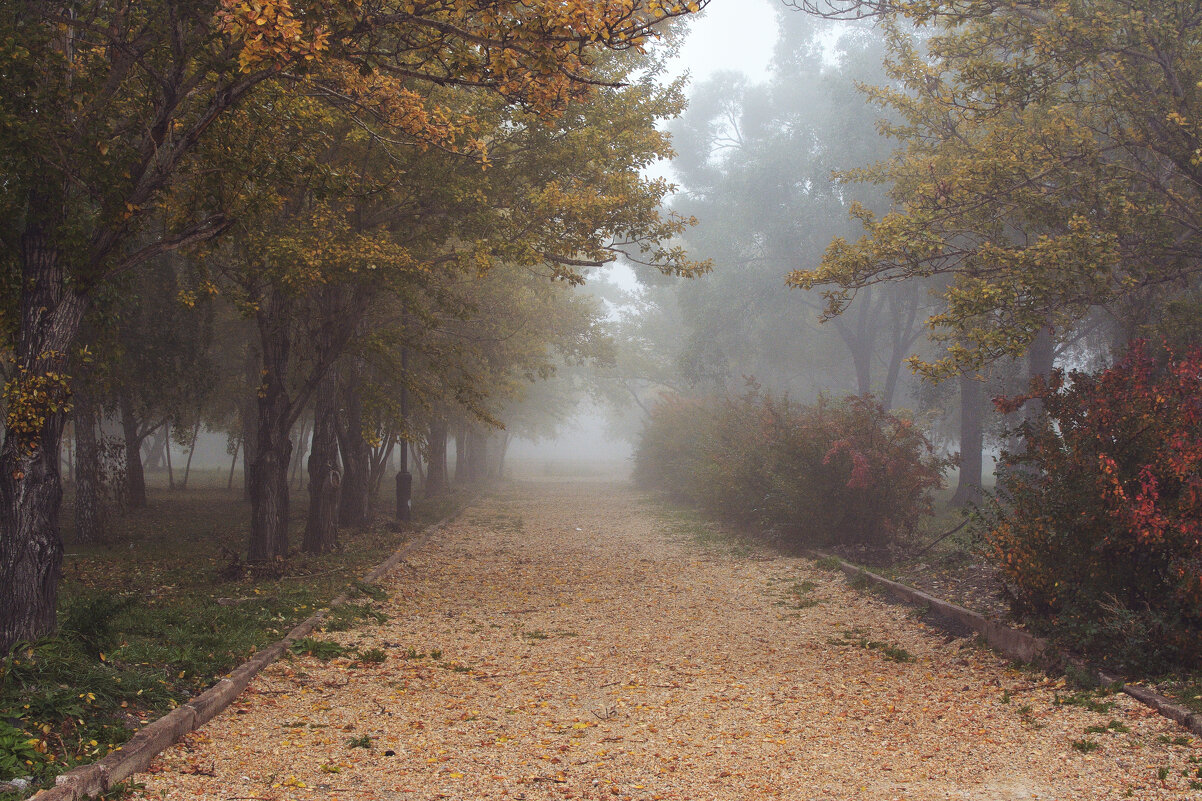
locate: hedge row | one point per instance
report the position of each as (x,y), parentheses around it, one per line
(846,472)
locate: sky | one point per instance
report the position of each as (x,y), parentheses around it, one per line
(730,35)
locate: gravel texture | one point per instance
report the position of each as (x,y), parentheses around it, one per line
(575,640)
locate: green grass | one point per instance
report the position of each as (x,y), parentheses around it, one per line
(372,656)
(858,637)
(349,615)
(1087,699)
(800,595)
(1180,739)
(157,614)
(831,563)
(324,650)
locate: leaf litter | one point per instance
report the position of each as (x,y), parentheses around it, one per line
(586,651)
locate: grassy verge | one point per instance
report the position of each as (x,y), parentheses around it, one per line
(158,614)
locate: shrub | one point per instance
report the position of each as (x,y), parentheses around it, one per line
(847,472)
(1099,521)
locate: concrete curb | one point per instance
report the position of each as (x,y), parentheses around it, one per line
(88,781)
(1016,643)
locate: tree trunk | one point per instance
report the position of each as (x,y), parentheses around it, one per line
(504,449)
(436,480)
(381,461)
(1040,361)
(477,456)
(404,484)
(89,517)
(191,453)
(858,336)
(421,467)
(268,467)
(903,308)
(135,478)
(972,440)
(321,528)
(248,410)
(861,356)
(229,485)
(153,460)
(338,318)
(31,550)
(459,476)
(167,450)
(356,455)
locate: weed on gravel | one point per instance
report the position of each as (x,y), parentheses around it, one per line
(858,637)
(1087,699)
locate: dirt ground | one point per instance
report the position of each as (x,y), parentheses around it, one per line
(576,640)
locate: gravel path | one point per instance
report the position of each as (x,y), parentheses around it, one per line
(573,640)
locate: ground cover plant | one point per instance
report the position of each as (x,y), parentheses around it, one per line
(846,473)
(154,617)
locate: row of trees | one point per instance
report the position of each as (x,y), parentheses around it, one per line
(271,208)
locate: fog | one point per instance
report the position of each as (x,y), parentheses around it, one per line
(777,108)
(584,447)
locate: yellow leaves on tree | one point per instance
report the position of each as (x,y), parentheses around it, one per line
(30,397)
(270,33)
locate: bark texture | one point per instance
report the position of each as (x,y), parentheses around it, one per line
(135,476)
(31,549)
(248,410)
(321,528)
(268,460)
(353,507)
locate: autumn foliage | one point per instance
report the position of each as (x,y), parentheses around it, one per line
(1099,523)
(845,472)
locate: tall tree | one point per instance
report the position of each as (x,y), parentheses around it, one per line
(757,164)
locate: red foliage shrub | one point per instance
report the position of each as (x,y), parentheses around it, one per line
(1099,523)
(848,472)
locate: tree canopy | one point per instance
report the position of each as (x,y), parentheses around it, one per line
(128,130)
(1048,165)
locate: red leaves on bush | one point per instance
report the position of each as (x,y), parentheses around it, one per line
(1105,504)
(858,479)
(846,472)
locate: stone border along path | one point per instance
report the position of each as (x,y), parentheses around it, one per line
(568,641)
(135,755)
(1018,644)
